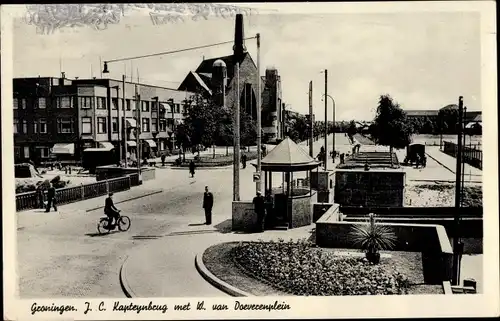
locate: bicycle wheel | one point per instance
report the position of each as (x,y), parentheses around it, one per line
(102,227)
(124,223)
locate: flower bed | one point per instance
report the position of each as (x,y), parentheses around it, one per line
(299,269)
(442,195)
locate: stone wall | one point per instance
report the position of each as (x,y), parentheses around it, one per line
(431,240)
(301,210)
(369,188)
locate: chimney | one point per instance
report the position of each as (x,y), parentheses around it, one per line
(63,75)
(239,44)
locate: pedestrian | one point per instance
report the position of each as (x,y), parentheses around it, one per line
(208,203)
(244,160)
(259,208)
(51,198)
(163,159)
(39,195)
(191,168)
(342,155)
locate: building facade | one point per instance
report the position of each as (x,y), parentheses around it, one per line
(57,118)
(204,80)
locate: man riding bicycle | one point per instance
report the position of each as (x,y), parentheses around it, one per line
(110,210)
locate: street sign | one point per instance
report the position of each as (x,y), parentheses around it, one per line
(256,176)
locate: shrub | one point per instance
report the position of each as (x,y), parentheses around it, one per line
(299,269)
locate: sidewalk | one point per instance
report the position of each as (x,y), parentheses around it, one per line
(169,270)
(450,162)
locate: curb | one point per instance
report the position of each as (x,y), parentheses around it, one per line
(127,200)
(215,281)
(440,162)
(127,290)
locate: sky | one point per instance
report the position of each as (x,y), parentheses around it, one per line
(424,60)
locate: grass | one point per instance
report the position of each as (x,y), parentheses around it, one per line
(473,195)
(227,262)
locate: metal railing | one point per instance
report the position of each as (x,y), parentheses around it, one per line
(30,200)
(471,156)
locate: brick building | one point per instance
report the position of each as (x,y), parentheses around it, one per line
(59,117)
(204,80)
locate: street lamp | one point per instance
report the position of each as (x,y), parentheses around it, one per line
(333,138)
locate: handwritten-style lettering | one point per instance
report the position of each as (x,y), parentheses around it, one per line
(35,308)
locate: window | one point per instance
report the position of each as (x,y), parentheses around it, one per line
(15,103)
(177,108)
(65,125)
(145,106)
(42,101)
(64,102)
(40,126)
(163,125)
(17,152)
(154,125)
(86,125)
(114,124)
(128,104)
(25,126)
(145,124)
(114,104)
(101,125)
(16,126)
(86,102)
(26,152)
(43,152)
(23,103)
(101,103)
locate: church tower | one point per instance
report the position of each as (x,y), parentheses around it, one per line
(239,37)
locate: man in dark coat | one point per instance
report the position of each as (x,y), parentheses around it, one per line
(260,210)
(208,203)
(163,159)
(191,168)
(51,198)
(244,160)
(110,210)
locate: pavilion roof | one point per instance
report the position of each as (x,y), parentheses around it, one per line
(288,155)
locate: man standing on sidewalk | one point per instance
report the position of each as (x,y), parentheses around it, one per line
(260,208)
(208,203)
(244,160)
(51,198)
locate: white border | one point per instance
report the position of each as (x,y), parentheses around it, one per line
(486,304)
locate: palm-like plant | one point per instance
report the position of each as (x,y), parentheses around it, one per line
(373,238)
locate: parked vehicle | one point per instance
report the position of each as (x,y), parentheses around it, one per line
(414,152)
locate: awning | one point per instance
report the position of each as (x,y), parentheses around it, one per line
(131,143)
(131,122)
(100,149)
(150,142)
(63,148)
(164,134)
(107,145)
(168,108)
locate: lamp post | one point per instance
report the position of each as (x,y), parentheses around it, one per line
(259,120)
(326,119)
(333,119)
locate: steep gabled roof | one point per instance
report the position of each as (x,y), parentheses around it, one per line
(231,60)
(201,82)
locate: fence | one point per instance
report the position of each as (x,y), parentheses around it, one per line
(30,200)
(471,156)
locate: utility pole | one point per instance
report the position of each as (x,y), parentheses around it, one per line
(259,120)
(458,171)
(326,119)
(236,153)
(138,131)
(311,152)
(124,124)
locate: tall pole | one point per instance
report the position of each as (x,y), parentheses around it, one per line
(326,119)
(236,153)
(123,121)
(259,120)
(311,151)
(119,125)
(458,171)
(333,135)
(138,130)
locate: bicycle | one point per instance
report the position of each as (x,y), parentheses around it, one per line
(123,223)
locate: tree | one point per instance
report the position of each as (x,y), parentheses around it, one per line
(351,129)
(391,125)
(448,119)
